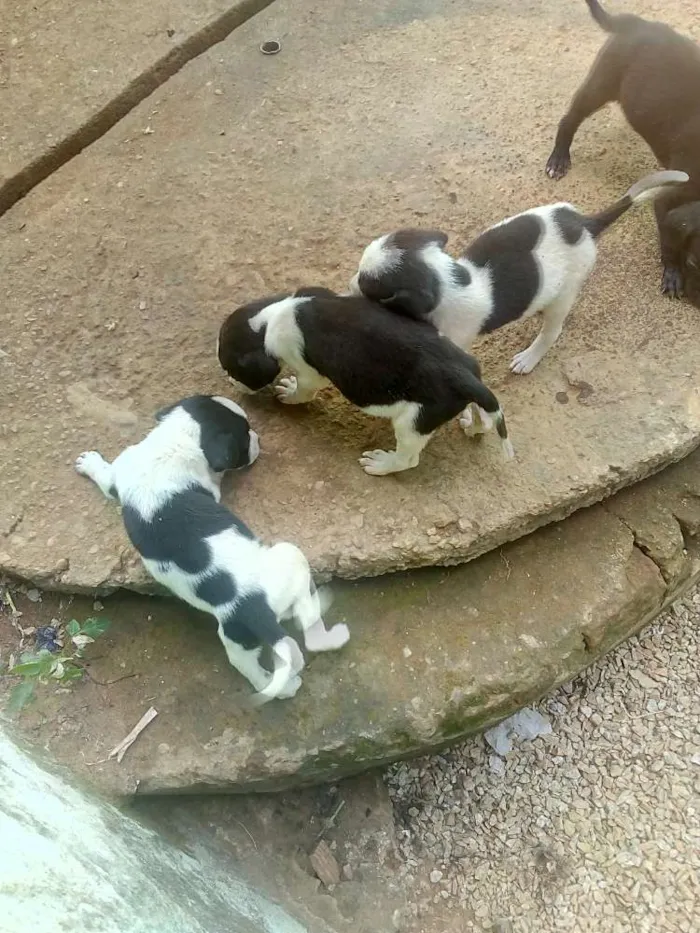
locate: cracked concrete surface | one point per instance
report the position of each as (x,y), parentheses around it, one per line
(71,71)
(434,655)
(263,173)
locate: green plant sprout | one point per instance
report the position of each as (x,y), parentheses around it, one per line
(42,666)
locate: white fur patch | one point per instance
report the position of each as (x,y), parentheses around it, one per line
(379,258)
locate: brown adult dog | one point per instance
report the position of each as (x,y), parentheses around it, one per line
(654,74)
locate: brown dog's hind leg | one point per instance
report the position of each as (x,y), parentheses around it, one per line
(600,88)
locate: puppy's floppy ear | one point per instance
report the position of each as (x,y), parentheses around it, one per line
(223,451)
(315,291)
(437,236)
(414,303)
(416,238)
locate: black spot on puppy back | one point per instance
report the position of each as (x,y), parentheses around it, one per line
(217,589)
(520,234)
(177,532)
(570,224)
(507,251)
(252,622)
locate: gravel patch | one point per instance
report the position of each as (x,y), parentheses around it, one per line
(594,827)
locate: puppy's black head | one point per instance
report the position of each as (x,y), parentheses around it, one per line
(241,349)
(225,436)
(397,271)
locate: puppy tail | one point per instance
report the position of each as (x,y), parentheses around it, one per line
(484,398)
(646,189)
(288,662)
(612,23)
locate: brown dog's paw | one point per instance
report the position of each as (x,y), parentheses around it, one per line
(558,164)
(672,282)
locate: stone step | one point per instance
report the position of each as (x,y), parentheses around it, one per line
(245,174)
(434,655)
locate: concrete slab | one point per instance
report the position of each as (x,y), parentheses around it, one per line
(434,655)
(69,71)
(263,173)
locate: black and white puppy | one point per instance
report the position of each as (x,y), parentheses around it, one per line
(535,261)
(388,365)
(168,486)
(653,72)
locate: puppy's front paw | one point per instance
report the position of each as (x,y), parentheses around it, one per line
(381,462)
(558,164)
(672,282)
(286,390)
(524,362)
(89,463)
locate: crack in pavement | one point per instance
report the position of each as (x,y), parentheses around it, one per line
(21,183)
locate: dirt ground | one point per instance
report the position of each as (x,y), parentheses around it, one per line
(592,828)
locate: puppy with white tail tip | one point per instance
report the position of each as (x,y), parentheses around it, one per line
(386,364)
(168,486)
(535,261)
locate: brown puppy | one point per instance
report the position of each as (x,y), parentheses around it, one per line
(654,74)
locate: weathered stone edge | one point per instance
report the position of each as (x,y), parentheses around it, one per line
(21,183)
(643,548)
(130,575)
(658,572)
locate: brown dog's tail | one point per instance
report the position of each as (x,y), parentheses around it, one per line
(621,23)
(646,189)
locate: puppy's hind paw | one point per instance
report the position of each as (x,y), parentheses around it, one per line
(672,282)
(290,689)
(383,462)
(475,420)
(467,422)
(338,636)
(89,463)
(286,390)
(558,164)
